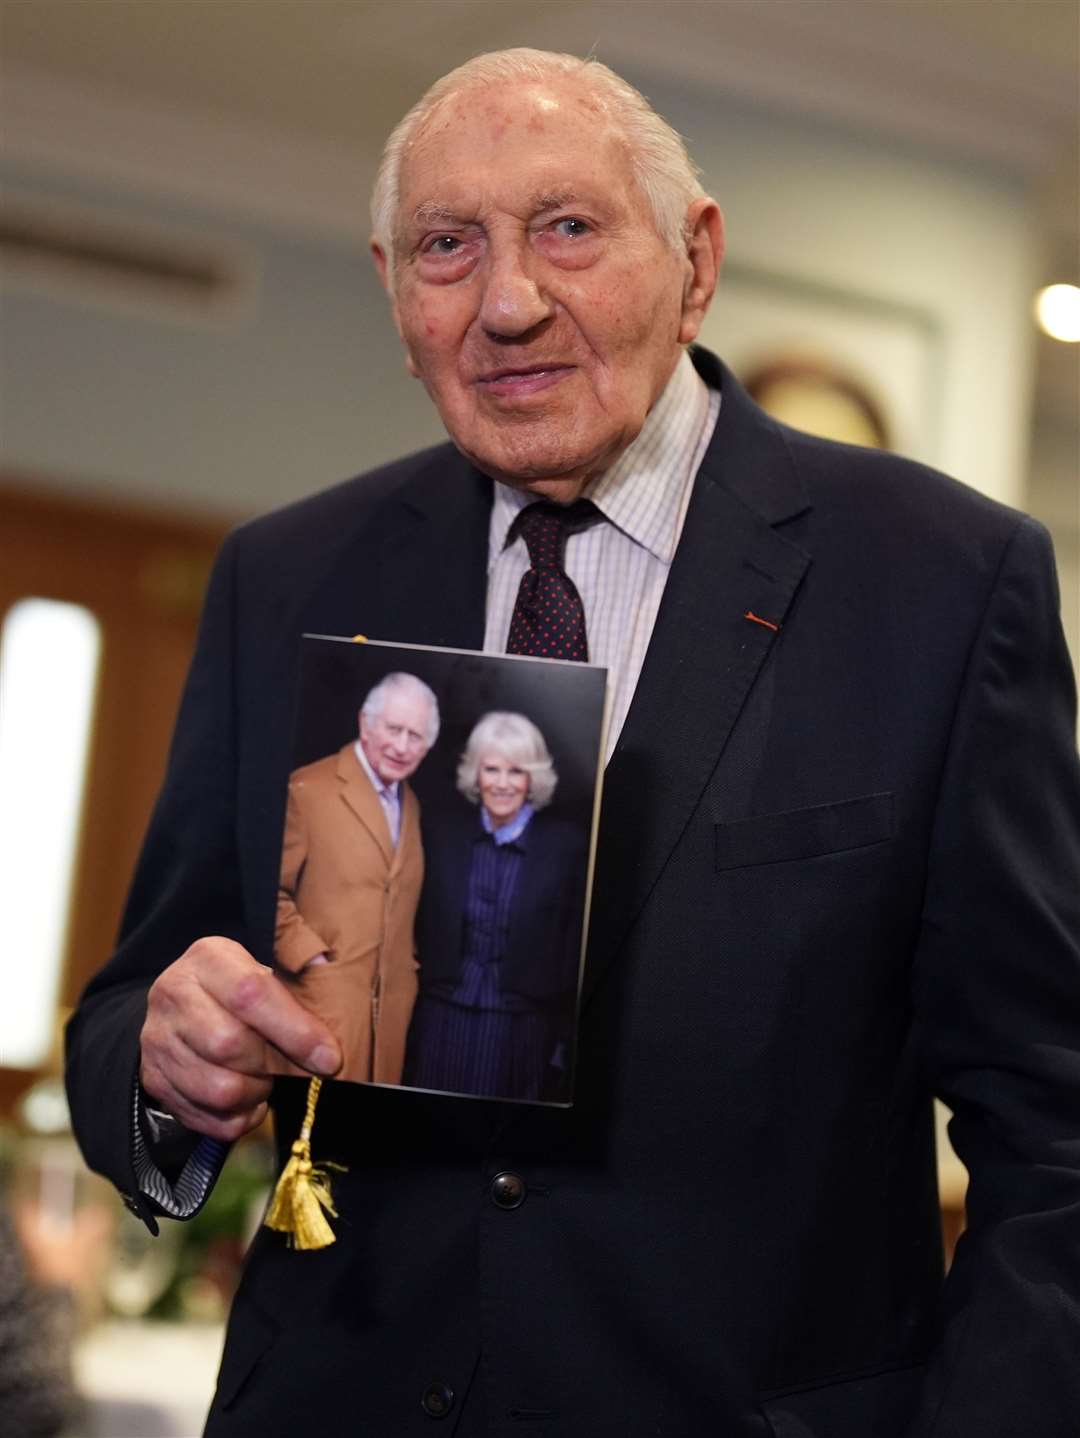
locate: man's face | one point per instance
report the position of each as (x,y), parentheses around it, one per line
(536,301)
(395,741)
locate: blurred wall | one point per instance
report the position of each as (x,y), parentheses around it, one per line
(885,227)
(304,383)
(302,386)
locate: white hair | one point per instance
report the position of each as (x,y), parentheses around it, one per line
(664,172)
(518,741)
(402,683)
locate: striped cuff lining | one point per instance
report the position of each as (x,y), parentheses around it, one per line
(187,1195)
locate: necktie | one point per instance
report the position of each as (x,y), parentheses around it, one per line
(390,799)
(549,617)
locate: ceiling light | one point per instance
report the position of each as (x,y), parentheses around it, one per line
(1057,309)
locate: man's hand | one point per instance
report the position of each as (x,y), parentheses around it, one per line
(211,1019)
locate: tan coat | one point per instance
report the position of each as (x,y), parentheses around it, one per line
(347,892)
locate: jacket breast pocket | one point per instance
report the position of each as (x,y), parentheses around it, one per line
(804,833)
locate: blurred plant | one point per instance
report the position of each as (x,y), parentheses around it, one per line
(190,1271)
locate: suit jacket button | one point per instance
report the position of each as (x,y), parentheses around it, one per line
(438,1399)
(508,1190)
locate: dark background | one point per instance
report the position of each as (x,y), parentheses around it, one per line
(565,701)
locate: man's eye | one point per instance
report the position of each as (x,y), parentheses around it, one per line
(444,245)
(573,228)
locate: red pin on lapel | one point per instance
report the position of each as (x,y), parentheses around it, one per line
(757,619)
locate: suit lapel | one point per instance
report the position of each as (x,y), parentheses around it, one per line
(703,659)
(433,559)
(413,570)
(359,794)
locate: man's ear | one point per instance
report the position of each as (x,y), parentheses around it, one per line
(704,253)
(382,269)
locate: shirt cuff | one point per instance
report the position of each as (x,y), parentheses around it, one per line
(185,1194)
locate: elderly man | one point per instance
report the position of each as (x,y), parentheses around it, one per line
(836,870)
(351,869)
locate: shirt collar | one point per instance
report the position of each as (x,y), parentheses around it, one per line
(390,790)
(509,833)
(642,493)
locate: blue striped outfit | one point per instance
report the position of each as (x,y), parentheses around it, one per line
(473,1036)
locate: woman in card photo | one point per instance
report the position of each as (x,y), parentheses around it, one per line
(499,927)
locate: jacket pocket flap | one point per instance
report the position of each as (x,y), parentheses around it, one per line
(880,1403)
(804,833)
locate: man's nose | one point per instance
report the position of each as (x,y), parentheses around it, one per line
(514,301)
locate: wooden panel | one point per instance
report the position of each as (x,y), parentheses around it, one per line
(142,574)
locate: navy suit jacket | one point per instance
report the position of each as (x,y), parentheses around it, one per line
(837,873)
(544,944)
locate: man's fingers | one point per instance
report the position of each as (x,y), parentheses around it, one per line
(185,1022)
(210,1019)
(251,994)
(206,1098)
(213,1089)
(162,1092)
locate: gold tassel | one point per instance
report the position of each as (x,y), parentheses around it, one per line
(303,1190)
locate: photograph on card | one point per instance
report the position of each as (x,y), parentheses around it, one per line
(435,863)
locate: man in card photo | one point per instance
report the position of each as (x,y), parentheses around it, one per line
(351,868)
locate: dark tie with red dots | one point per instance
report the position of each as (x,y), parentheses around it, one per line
(549,617)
